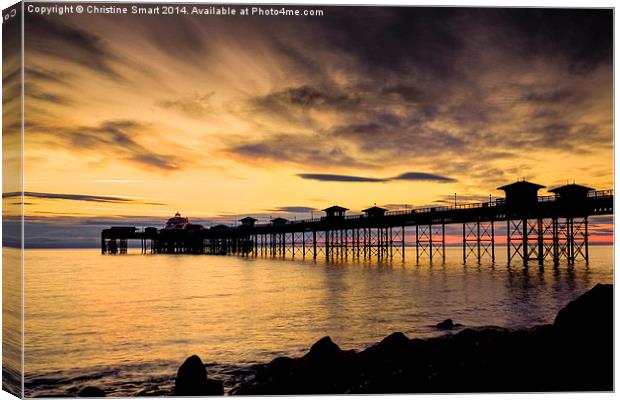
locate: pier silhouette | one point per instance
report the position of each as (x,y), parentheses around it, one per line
(537,228)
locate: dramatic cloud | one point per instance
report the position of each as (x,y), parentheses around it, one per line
(298,149)
(42,75)
(201,113)
(53,37)
(118,138)
(451,90)
(34,92)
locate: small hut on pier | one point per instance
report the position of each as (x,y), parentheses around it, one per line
(374,212)
(335,212)
(279,221)
(571,192)
(521,195)
(248,221)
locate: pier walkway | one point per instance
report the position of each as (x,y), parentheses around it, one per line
(536,228)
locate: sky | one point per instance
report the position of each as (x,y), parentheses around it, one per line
(131,118)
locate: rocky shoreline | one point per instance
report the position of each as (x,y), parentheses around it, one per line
(575,353)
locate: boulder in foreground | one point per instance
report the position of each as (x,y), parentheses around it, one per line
(192,380)
(447,325)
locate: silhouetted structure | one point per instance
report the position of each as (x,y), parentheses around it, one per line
(248,221)
(335,212)
(521,194)
(538,227)
(374,211)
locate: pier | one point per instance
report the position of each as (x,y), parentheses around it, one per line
(538,228)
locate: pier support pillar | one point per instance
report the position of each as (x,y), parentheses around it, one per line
(479,240)
(314,244)
(403,241)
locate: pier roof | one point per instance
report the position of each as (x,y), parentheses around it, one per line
(279,221)
(219,227)
(335,209)
(248,221)
(571,189)
(375,211)
(521,186)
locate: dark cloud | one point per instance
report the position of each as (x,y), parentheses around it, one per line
(422,176)
(182,38)
(292,104)
(34,92)
(115,138)
(294,209)
(300,148)
(310,97)
(432,85)
(581,37)
(98,199)
(553,96)
(431,42)
(32,73)
(397,40)
(407,176)
(339,178)
(56,38)
(75,197)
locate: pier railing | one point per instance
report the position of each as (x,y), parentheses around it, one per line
(533,229)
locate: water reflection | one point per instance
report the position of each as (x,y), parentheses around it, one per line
(11,321)
(92,313)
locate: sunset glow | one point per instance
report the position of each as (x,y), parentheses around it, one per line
(222,117)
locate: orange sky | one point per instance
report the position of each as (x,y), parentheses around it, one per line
(136,117)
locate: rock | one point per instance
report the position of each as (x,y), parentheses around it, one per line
(590,314)
(585,328)
(213,387)
(392,345)
(91,391)
(447,325)
(395,339)
(323,350)
(192,380)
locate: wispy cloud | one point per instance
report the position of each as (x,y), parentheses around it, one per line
(422,176)
(55,38)
(194,106)
(119,139)
(76,197)
(293,209)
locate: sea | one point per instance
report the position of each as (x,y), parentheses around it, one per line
(125,323)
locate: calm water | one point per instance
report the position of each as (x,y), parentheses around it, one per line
(126,322)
